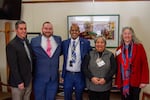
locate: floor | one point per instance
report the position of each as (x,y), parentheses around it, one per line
(113,96)
(5,96)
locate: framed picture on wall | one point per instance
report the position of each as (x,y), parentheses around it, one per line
(31,35)
(92,26)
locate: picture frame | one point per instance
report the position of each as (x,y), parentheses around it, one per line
(92,26)
(31,35)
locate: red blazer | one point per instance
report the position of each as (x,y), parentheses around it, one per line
(139,66)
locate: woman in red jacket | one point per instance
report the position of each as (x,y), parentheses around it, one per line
(132,71)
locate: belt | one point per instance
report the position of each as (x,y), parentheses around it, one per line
(73,72)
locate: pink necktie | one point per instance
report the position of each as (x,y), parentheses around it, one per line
(48,50)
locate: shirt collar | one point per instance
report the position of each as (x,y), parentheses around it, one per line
(21,40)
(76,40)
(45,38)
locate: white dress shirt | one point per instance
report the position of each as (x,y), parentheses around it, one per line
(76,67)
(53,44)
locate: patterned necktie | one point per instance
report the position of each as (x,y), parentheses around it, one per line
(48,50)
(27,50)
(73,52)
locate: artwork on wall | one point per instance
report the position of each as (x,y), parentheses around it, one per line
(31,35)
(92,26)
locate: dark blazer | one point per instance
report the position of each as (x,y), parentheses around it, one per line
(46,68)
(139,67)
(84,49)
(18,62)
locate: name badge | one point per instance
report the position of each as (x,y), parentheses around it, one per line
(100,62)
(118,52)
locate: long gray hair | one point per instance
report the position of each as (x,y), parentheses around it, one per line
(134,38)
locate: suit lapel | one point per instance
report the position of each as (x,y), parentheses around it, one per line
(134,51)
(39,45)
(21,46)
(57,42)
(67,47)
(81,47)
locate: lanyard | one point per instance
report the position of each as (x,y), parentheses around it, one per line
(74,48)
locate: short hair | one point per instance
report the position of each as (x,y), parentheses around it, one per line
(47,22)
(18,23)
(75,25)
(102,37)
(134,38)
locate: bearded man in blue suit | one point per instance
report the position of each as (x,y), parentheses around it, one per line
(46,49)
(74,50)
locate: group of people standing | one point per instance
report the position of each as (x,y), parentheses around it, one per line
(37,64)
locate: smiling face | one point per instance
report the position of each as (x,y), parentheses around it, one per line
(127,36)
(21,31)
(47,29)
(100,44)
(74,31)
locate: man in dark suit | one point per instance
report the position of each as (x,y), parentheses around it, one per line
(47,49)
(19,59)
(74,50)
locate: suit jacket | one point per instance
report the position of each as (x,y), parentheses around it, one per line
(139,67)
(18,62)
(45,67)
(84,49)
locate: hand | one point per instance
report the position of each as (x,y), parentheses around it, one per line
(21,86)
(61,80)
(102,81)
(142,85)
(95,80)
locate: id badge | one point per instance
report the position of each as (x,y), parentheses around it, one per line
(118,52)
(100,62)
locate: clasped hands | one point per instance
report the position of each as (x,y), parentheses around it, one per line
(98,81)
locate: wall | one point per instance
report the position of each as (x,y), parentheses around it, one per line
(3,65)
(2,55)
(132,13)
(135,14)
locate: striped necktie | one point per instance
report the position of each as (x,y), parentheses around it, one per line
(73,52)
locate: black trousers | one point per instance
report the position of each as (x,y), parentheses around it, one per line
(99,95)
(133,94)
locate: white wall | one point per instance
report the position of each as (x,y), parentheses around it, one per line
(135,14)
(3,65)
(2,55)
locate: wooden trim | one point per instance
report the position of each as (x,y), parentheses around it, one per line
(7,39)
(7,32)
(3,84)
(61,1)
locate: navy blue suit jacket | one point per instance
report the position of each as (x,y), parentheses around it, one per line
(84,49)
(45,67)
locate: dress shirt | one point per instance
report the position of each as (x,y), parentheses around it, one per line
(52,41)
(76,67)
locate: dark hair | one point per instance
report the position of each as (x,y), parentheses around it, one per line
(47,22)
(19,22)
(75,25)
